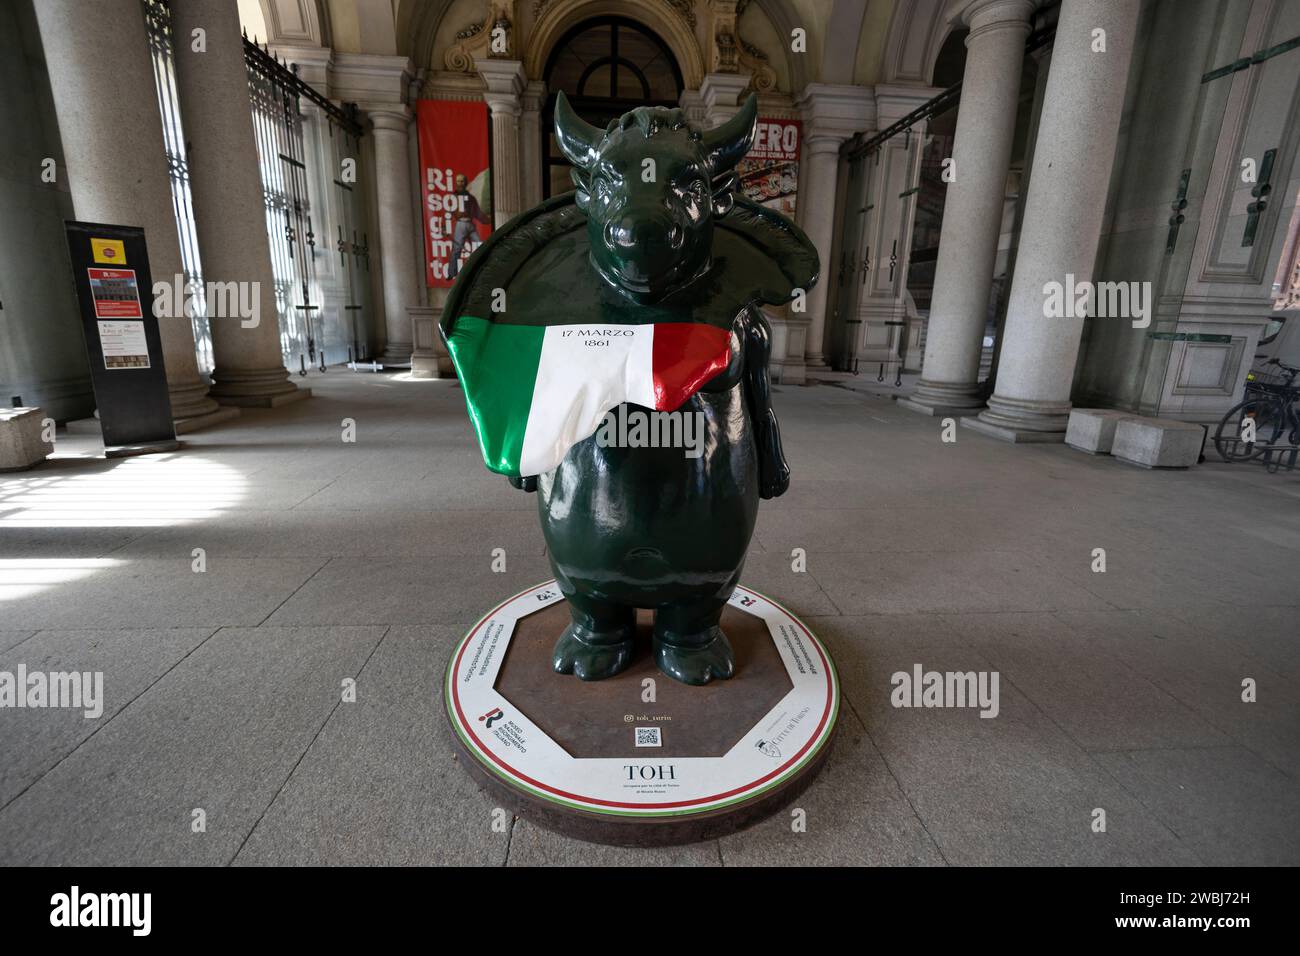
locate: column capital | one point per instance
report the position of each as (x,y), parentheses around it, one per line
(835,111)
(981,15)
(721,94)
(315,64)
(504,80)
(393,118)
(895,102)
(370,79)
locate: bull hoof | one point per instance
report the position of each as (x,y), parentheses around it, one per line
(696,659)
(592,656)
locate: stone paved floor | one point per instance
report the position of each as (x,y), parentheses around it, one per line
(325,560)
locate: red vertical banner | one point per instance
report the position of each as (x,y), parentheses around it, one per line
(456,184)
(769,173)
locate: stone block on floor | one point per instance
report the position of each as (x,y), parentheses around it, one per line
(1093,429)
(22,444)
(1158,442)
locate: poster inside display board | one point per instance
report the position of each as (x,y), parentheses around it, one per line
(769,173)
(110,266)
(455,184)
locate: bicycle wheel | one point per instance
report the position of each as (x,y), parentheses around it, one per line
(1249,428)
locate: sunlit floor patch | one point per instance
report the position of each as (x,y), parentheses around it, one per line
(20,577)
(150,492)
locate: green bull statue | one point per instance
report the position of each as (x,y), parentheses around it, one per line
(636,295)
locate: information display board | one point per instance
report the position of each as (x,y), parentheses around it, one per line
(110,266)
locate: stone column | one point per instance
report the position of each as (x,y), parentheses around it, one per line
(530,142)
(504,81)
(1042,58)
(396,229)
(119,178)
(229,212)
(1073,156)
(831,114)
(972,212)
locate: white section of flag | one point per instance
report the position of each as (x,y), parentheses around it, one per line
(578,381)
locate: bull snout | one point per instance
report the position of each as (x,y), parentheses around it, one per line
(647,243)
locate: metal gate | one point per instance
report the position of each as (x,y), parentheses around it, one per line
(320,321)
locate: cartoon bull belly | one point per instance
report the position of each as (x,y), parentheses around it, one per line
(639,294)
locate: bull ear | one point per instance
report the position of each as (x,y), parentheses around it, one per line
(578,139)
(582,183)
(724,193)
(725,145)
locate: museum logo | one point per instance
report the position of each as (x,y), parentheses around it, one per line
(922,688)
(37,689)
(216,300)
(74,909)
(1105,300)
(625,427)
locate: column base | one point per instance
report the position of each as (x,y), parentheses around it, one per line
(195,422)
(936,411)
(431,368)
(1014,435)
(190,399)
(267,401)
(788,371)
(788,336)
(429,356)
(255,388)
(398,354)
(1021,420)
(945,399)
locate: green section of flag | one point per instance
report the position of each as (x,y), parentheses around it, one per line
(497,365)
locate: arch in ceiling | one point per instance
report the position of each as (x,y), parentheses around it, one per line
(917,32)
(840,47)
(417,25)
(557,17)
(296,22)
(784,19)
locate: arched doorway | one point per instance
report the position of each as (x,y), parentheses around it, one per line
(605,66)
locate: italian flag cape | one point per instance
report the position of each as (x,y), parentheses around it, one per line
(535,391)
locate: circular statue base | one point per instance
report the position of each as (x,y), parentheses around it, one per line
(640,759)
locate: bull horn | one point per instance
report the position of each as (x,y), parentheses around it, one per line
(725,145)
(578,139)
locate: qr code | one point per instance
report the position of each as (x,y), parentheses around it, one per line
(648,737)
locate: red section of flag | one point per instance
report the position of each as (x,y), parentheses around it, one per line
(686,355)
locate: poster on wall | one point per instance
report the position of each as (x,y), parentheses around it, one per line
(769,173)
(456,184)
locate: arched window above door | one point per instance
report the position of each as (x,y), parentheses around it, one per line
(605,66)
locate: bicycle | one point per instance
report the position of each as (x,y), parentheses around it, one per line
(1254,427)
